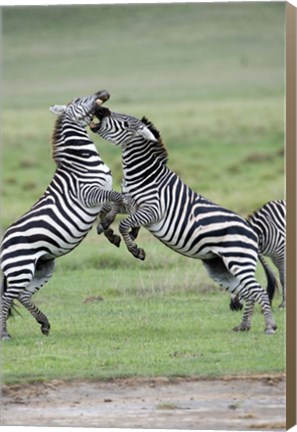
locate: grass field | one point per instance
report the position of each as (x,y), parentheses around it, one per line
(211,79)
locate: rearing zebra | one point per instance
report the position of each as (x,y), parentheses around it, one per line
(182,219)
(64,214)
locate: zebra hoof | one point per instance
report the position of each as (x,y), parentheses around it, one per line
(138,253)
(6,337)
(100,229)
(235,305)
(241,328)
(141,255)
(269,331)
(45,330)
(116,240)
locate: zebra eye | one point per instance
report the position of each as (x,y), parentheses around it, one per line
(126,124)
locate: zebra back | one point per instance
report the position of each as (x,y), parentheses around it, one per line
(269,222)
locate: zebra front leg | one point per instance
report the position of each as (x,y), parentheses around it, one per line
(142,217)
(115,239)
(112,237)
(108,214)
(124,227)
(25,300)
(134,232)
(91,197)
(109,233)
(131,246)
(107,219)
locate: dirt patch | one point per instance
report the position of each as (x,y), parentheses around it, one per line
(242,403)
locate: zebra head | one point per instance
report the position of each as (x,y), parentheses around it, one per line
(81,110)
(120,129)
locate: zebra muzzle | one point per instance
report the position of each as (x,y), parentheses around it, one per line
(103,96)
(100,113)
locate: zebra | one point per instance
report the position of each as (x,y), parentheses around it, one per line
(63,215)
(269,223)
(182,219)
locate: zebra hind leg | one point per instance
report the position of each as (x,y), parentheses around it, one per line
(8,295)
(250,291)
(43,272)
(6,304)
(25,300)
(246,322)
(220,274)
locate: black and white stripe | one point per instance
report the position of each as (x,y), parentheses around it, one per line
(64,214)
(269,222)
(182,219)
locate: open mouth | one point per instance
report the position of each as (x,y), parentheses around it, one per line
(99,114)
(103,96)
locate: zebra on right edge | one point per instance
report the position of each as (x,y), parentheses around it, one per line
(269,223)
(180,218)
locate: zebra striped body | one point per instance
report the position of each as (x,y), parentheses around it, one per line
(182,219)
(269,222)
(62,217)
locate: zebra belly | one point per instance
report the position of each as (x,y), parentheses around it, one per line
(205,253)
(33,239)
(198,241)
(50,244)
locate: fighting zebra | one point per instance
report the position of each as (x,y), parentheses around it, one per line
(64,214)
(182,219)
(269,223)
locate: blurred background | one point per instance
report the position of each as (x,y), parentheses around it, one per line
(209,76)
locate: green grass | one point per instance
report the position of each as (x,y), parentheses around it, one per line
(211,79)
(112,316)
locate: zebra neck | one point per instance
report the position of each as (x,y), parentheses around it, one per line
(72,147)
(141,165)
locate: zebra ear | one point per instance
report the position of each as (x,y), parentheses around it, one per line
(145,133)
(58,109)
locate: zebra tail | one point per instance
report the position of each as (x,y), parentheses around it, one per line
(271,279)
(13,308)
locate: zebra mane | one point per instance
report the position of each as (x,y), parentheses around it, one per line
(59,149)
(56,135)
(158,147)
